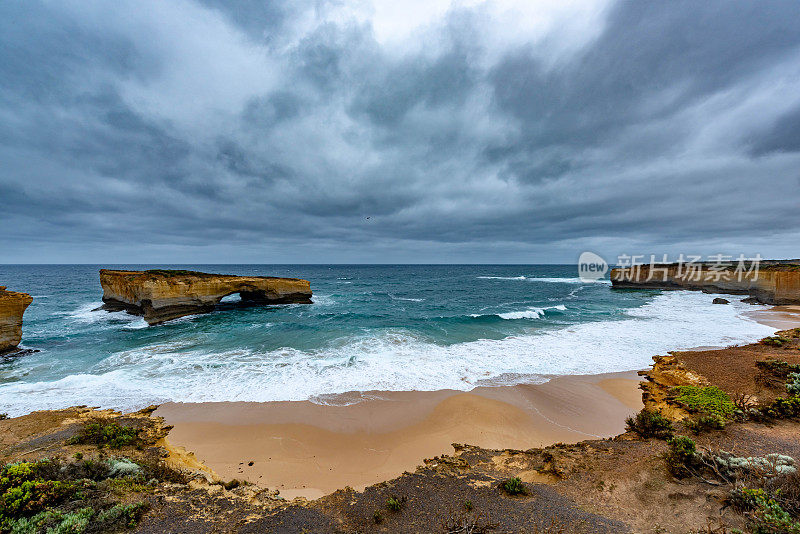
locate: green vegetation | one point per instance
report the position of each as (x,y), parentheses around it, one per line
(46,496)
(778,368)
(106,434)
(650,424)
(232,484)
(782,408)
(793,384)
(26,488)
(514,486)
(393,504)
(765,512)
(176,272)
(708,400)
(682,456)
(776,341)
(704,423)
(377,517)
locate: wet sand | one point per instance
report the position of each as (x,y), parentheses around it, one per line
(780,317)
(307,449)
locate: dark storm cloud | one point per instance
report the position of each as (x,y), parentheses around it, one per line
(270,131)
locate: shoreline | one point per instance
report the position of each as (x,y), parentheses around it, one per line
(305,449)
(308,450)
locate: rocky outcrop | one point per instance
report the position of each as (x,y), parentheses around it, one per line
(161,295)
(12,307)
(773,283)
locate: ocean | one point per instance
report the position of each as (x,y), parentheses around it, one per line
(371,327)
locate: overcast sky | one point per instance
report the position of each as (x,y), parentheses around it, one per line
(325,131)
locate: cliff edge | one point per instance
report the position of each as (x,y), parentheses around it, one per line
(12,307)
(160,295)
(776,283)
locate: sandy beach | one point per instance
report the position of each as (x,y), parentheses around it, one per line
(307,449)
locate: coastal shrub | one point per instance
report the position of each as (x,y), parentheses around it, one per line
(123,515)
(25,489)
(762,468)
(776,341)
(786,490)
(174,272)
(3,416)
(514,486)
(682,456)
(782,408)
(793,384)
(765,513)
(650,424)
(393,504)
(704,423)
(705,399)
(778,368)
(107,434)
(231,484)
(40,496)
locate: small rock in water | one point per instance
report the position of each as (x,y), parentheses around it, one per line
(720,301)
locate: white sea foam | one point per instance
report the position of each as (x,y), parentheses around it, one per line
(91,313)
(408,299)
(530,313)
(392,359)
(551,280)
(569,281)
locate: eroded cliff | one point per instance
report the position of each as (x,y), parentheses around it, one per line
(12,307)
(772,283)
(161,295)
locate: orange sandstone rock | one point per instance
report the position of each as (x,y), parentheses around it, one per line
(12,307)
(161,295)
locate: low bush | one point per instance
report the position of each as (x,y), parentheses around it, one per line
(41,496)
(682,457)
(126,515)
(650,424)
(775,341)
(765,513)
(104,433)
(231,484)
(704,423)
(393,504)
(708,400)
(793,384)
(782,408)
(514,486)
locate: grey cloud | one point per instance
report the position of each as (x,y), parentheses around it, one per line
(449,147)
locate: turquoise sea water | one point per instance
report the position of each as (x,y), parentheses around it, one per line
(403,327)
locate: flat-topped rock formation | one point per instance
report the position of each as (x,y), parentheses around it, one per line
(775,282)
(160,295)
(12,307)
